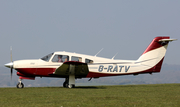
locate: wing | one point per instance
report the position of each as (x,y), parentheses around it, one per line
(79,69)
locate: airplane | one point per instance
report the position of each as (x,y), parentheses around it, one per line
(72,66)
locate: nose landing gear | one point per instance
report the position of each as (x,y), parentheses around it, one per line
(20,84)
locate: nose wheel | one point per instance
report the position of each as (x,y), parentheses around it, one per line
(20,84)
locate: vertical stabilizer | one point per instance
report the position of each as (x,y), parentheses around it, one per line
(154,54)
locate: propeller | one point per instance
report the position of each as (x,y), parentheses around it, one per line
(11,72)
(11,62)
(10,65)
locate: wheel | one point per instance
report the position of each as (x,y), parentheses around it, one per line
(73,86)
(65,85)
(20,85)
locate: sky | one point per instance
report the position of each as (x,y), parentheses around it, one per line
(36,28)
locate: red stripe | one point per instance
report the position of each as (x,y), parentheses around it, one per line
(35,71)
(29,78)
(154,44)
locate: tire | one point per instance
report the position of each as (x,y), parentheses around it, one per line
(20,85)
(64,84)
(73,86)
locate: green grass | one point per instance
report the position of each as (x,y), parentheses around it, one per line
(160,95)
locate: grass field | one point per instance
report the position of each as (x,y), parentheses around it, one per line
(159,95)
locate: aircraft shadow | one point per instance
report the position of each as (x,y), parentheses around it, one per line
(89,87)
(76,87)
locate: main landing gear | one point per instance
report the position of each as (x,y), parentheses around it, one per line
(20,84)
(67,84)
(70,81)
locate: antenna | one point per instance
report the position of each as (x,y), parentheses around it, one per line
(99,51)
(114,55)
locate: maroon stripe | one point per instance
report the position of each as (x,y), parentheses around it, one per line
(29,78)
(154,44)
(35,71)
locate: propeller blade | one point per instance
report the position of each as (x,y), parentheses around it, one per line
(12,62)
(11,53)
(11,72)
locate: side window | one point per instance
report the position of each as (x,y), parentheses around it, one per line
(88,61)
(73,58)
(60,58)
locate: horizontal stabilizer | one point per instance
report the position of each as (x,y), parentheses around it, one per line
(164,40)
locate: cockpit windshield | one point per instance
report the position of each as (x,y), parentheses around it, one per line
(47,57)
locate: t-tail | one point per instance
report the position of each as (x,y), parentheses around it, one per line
(154,54)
